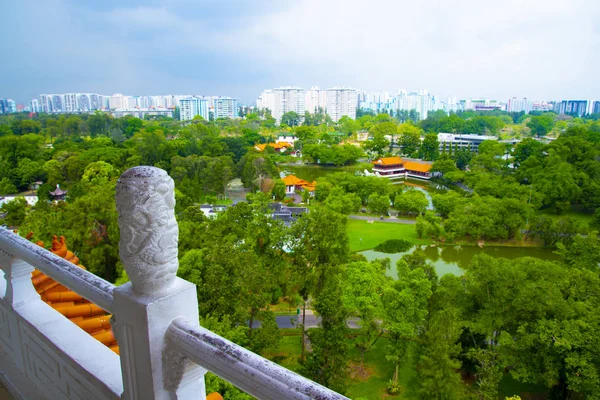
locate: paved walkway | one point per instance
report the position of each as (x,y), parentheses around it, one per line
(393,220)
(312,321)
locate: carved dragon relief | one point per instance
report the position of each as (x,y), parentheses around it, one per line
(149,233)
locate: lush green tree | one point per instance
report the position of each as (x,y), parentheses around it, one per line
(526,148)
(438,362)
(364,284)
(278,190)
(410,138)
(446,203)
(430,148)
(541,125)
(583,252)
(341,202)
(378,204)
(99,124)
(463,158)
(411,201)
(319,248)
(444,165)
(254,167)
(7,187)
(15,211)
(541,318)
(348,125)
(429,225)
(290,118)
(405,302)
(28,171)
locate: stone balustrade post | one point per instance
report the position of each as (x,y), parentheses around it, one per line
(146,306)
(19,290)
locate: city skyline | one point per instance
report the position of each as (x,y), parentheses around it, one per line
(546,50)
(337,102)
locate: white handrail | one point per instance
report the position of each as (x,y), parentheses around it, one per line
(86,284)
(246,370)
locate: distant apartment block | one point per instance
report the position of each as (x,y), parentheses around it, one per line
(34,106)
(286,99)
(7,106)
(266,100)
(596,107)
(341,101)
(315,99)
(450,142)
(578,107)
(224,107)
(191,106)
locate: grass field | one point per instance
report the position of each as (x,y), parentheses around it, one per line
(371,382)
(377,232)
(576,212)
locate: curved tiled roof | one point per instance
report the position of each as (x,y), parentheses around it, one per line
(417,166)
(83,313)
(293,180)
(388,161)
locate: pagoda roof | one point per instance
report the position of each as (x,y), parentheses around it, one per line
(293,180)
(58,191)
(388,161)
(417,166)
(276,146)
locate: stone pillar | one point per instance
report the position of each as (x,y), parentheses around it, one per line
(145,307)
(19,291)
(19,288)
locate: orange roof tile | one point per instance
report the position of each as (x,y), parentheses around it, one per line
(388,161)
(293,180)
(276,146)
(80,311)
(417,166)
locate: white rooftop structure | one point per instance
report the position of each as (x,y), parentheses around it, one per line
(457,141)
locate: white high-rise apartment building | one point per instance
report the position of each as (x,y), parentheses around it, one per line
(266,100)
(286,99)
(35,106)
(315,98)
(224,107)
(117,102)
(71,103)
(191,106)
(341,101)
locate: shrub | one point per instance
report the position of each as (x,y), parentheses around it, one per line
(394,246)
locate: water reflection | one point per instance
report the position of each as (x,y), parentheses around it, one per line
(455,259)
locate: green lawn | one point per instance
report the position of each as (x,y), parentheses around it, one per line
(377,232)
(288,351)
(380,371)
(371,382)
(576,212)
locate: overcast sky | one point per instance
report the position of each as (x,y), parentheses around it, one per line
(540,49)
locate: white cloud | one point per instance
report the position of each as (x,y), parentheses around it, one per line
(545,49)
(536,48)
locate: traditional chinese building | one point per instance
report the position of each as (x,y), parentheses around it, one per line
(397,168)
(279,147)
(58,193)
(294,184)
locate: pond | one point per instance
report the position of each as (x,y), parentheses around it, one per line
(455,259)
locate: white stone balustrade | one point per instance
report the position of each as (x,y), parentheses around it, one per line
(164,353)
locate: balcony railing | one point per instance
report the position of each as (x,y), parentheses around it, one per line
(164,352)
